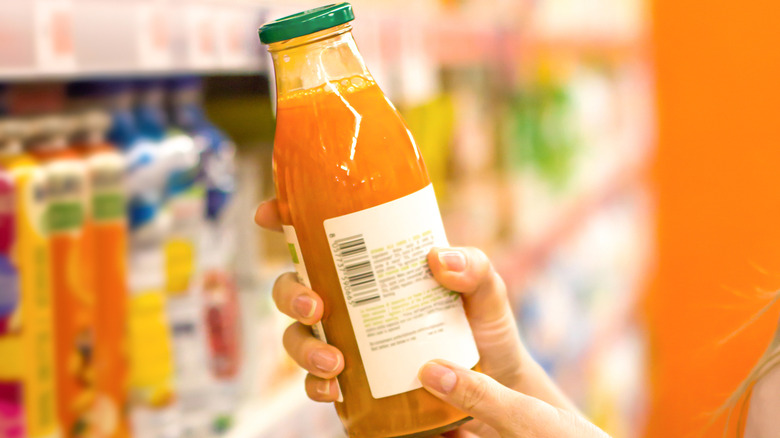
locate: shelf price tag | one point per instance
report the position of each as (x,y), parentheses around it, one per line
(53,25)
(234,26)
(154,35)
(201,40)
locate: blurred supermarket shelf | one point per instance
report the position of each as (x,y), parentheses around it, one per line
(52,39)
(286,409)
(260,415)
(472,76)
(520,260)
(44,39)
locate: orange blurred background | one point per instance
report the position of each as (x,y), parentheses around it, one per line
(718,204)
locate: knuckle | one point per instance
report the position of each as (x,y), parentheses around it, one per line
(477,254)
(474,394)
(577,425)
(290,336)
(479,263)
(279,286)
(318,389)
(283,288)
(498,285)
(529,418)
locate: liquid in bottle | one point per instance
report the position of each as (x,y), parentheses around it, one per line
(360,217)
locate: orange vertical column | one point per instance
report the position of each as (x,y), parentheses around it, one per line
(717,181)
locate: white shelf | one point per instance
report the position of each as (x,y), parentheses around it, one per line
(259,416)
(286,409)
(83,38)
(55,39)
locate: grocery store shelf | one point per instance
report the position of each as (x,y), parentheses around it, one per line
(288,410)
(56,39)
(52,39)
(603,47)
(520,260)
(258,417)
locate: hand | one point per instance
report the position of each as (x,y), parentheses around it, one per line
(518,397)
(499,411)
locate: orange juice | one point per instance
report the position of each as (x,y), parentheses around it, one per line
(106,233)
(27,384)
(74,299)
(360,216)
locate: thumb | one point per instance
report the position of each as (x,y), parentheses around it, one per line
(510,413)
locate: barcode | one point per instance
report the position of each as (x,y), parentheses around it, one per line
(358,276)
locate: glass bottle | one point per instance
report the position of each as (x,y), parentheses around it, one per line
(360,216)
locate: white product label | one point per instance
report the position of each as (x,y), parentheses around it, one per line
(193,377)
(303,278)
(402,317)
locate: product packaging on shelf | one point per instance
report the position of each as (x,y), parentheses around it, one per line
(153,406)
(183,204)
(71,272)
(216,176)
(575,313)
(360,216)
(106,233)
(27,372)
(158,250)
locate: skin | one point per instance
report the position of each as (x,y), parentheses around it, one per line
(762,418)
(512,397)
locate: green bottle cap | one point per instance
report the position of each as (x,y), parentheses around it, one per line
(306,22)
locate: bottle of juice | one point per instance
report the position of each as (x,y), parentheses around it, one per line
(106,233)
(27,385)
(360,216)
(71,272)
(154,411)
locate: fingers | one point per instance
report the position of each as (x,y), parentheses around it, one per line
(296,300)
(510,413)
(461,432)
(316,357)
(468,270)
(321,390)
(267,215)
(477,395)
(324,362)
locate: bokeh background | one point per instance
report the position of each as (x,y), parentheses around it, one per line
(617,159)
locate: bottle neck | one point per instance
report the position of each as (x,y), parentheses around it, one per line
(314,60)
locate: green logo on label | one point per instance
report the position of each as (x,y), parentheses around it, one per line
(293,253)
(108,207)
(65,216)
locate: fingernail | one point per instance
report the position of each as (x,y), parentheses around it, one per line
(438,378)
(452,260)
(325,360)
(323,387)
(304,306)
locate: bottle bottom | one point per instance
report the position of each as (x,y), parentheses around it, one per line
(437,431)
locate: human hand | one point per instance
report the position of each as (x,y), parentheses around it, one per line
(499,411)
(518,393)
